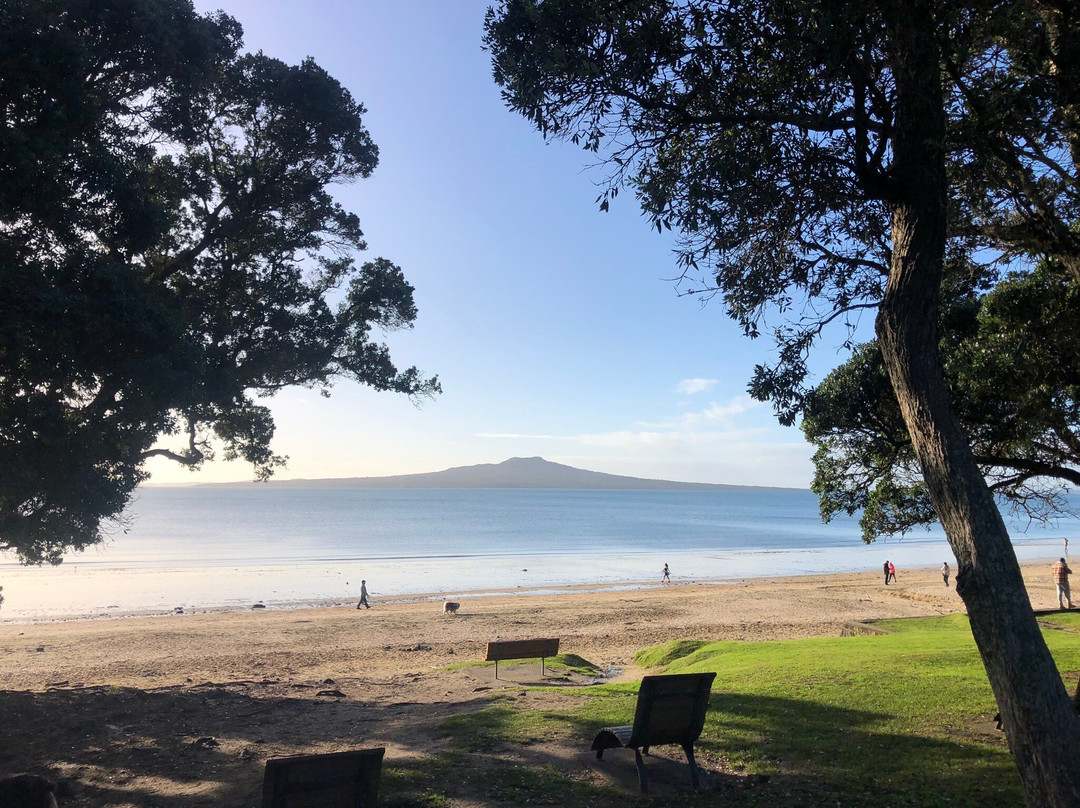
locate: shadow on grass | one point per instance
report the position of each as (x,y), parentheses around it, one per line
(826,754)
(856,751)
(208,745)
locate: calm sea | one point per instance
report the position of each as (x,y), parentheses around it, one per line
(196,548)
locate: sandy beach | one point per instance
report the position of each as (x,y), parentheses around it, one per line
(185,709)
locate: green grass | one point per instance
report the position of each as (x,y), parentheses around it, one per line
(892,720)
(419,783)
(669,652)
(542,785)
(442,780)
(509,724)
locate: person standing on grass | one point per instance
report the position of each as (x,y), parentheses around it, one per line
(1061,578)
(363,596)
(667,575)
(885,569)
(945,572)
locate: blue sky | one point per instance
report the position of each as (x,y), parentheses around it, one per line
(555,329)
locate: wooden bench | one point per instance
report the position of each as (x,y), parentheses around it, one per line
(337,780)
(522,649)
(670,710)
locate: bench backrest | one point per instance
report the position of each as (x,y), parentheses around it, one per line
(337,780)
(522,649)
(671,709)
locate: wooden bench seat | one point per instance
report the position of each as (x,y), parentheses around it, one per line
(522,649)
(337,780)
(670,710)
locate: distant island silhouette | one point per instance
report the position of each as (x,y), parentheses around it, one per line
(517,472)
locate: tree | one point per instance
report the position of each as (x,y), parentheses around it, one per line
(819,158)
(1012,360)
(169,252)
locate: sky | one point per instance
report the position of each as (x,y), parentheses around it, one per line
(556,330)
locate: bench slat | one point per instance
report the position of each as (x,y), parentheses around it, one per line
(335,780)
(522,649)
(612,738)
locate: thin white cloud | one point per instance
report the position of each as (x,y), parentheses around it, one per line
(668,439)
(689,387)
(640,438)
(516,436)
(724,413)
(715,414)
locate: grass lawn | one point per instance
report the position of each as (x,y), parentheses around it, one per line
(890,720)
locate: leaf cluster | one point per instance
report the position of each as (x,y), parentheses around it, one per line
(1012,360)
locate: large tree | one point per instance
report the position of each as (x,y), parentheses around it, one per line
(822,157)
(170,252)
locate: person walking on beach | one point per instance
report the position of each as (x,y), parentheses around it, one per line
(892,572)
(363,596)
(945,572)
(667,575)
(885,569)
(1061,578)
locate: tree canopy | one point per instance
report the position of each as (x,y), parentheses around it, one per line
(170,252)
(819,158)
(1012,358)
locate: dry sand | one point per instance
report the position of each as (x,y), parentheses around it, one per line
(184,710)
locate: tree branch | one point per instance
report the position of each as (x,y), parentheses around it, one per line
(1031,468)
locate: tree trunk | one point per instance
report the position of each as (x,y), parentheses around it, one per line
(1042,729)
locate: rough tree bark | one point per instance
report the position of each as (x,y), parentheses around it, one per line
(1042,728)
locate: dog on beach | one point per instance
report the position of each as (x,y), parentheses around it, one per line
(450,607)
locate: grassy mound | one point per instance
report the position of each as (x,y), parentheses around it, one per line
(667,653)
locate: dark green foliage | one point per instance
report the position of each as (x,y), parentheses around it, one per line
(1012,357)
(169,252)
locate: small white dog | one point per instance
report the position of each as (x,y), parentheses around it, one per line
(450,607)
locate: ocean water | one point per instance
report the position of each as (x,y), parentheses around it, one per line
(199,548)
